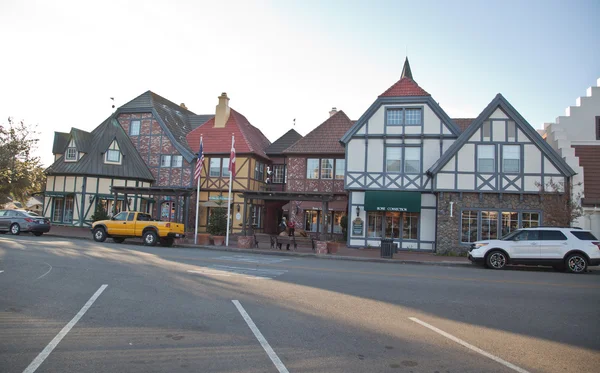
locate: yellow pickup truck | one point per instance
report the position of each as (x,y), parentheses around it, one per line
(129,224)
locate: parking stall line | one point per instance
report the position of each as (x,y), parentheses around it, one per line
(469,346)
(263,342)
(54,342)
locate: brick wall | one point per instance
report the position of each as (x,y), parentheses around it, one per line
(151,143)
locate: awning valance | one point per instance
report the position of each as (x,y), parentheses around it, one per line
(376,200)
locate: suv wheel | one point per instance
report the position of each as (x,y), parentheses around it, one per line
(99,235)
(496,260)
(149,238)
(576,263)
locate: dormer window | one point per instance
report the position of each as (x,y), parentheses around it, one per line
(71,153)
(113,154)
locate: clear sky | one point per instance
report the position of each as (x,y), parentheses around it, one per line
(279,60)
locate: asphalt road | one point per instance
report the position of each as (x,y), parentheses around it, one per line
(173,310)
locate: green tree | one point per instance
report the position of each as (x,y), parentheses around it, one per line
(217,222)
(21,174)
(100,212)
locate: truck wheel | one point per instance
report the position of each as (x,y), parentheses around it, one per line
(167,242)
(99,235)
(149,238)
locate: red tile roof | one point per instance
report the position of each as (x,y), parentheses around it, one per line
(589,156)
(325,139)
(463,123)
(405,87)
(248,139)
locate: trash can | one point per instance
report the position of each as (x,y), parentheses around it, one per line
(387,248)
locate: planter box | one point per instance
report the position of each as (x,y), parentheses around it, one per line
(245,242)
(203,239)
(321,247)
(332,247)
(218,240)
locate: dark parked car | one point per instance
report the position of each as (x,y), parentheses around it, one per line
(17,221)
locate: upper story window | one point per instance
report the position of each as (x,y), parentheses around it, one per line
(403,159)
(326,168)
(134,127)
(404,116)
(323,168)
(340,168)
(219,167)
(71,153)
(312,168)
(113,154)
(511,158)
(412,160)
(278,174)
(393,159)
(165,161)
(177,161)
(486,158)
(259,171)
(597,128)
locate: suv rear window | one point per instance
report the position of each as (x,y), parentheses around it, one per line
(553,236)
(584,236)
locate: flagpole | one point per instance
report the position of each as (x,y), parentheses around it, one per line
(229,196)
(198,195)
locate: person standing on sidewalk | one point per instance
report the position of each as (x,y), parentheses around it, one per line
(291,228)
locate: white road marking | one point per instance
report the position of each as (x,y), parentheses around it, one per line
(1,271)
(263,342)
(46,272)
(469,346)
(53,343)
(251,259)
(249,273)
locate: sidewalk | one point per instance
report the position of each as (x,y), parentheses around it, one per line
(344,252)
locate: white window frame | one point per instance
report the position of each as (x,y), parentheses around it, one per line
(137,125)
(510,156)
(71,155)
(278,173)
(412,116)
(388,159)
(480,158)
(412,154)
(340,169)
(109,156)
(177,161)
(165,160)
(326,172)
(312,172)
(394,117)
(214,165)
(225,167)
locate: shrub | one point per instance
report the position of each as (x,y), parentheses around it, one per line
(100,213)
(217,222)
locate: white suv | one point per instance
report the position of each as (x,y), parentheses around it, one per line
(571,248)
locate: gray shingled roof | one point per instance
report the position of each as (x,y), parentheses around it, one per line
(176,120)
(284,142)
(198,120)
(92,163)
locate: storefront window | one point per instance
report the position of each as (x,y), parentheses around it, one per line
(469,226)
(510,222)
(489,225)
(410,225)
(311,220)
(392,225)
(530,219)
(374,226)
(337,217)
(58,209)
(68,218)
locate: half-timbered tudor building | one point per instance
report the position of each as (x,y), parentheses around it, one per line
(433,183)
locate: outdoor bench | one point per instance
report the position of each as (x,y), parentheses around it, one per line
(295,241)
(263,237)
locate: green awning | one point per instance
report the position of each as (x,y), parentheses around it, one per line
(392,201)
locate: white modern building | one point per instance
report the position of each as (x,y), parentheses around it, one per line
(576,137)
(434,183)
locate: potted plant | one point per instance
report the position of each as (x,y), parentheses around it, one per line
(217,225)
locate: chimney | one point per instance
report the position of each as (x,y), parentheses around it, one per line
(222,111)
(332,112)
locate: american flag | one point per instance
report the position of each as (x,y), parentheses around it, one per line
(200,161)
(232,158)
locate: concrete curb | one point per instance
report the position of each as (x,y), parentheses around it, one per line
(302,255)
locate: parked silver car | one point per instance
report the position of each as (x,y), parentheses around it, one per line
(17,221)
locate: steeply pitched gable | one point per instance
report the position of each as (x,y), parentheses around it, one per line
(92,163)
(284,142)
(61,139)
(500,102)
(325,139)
